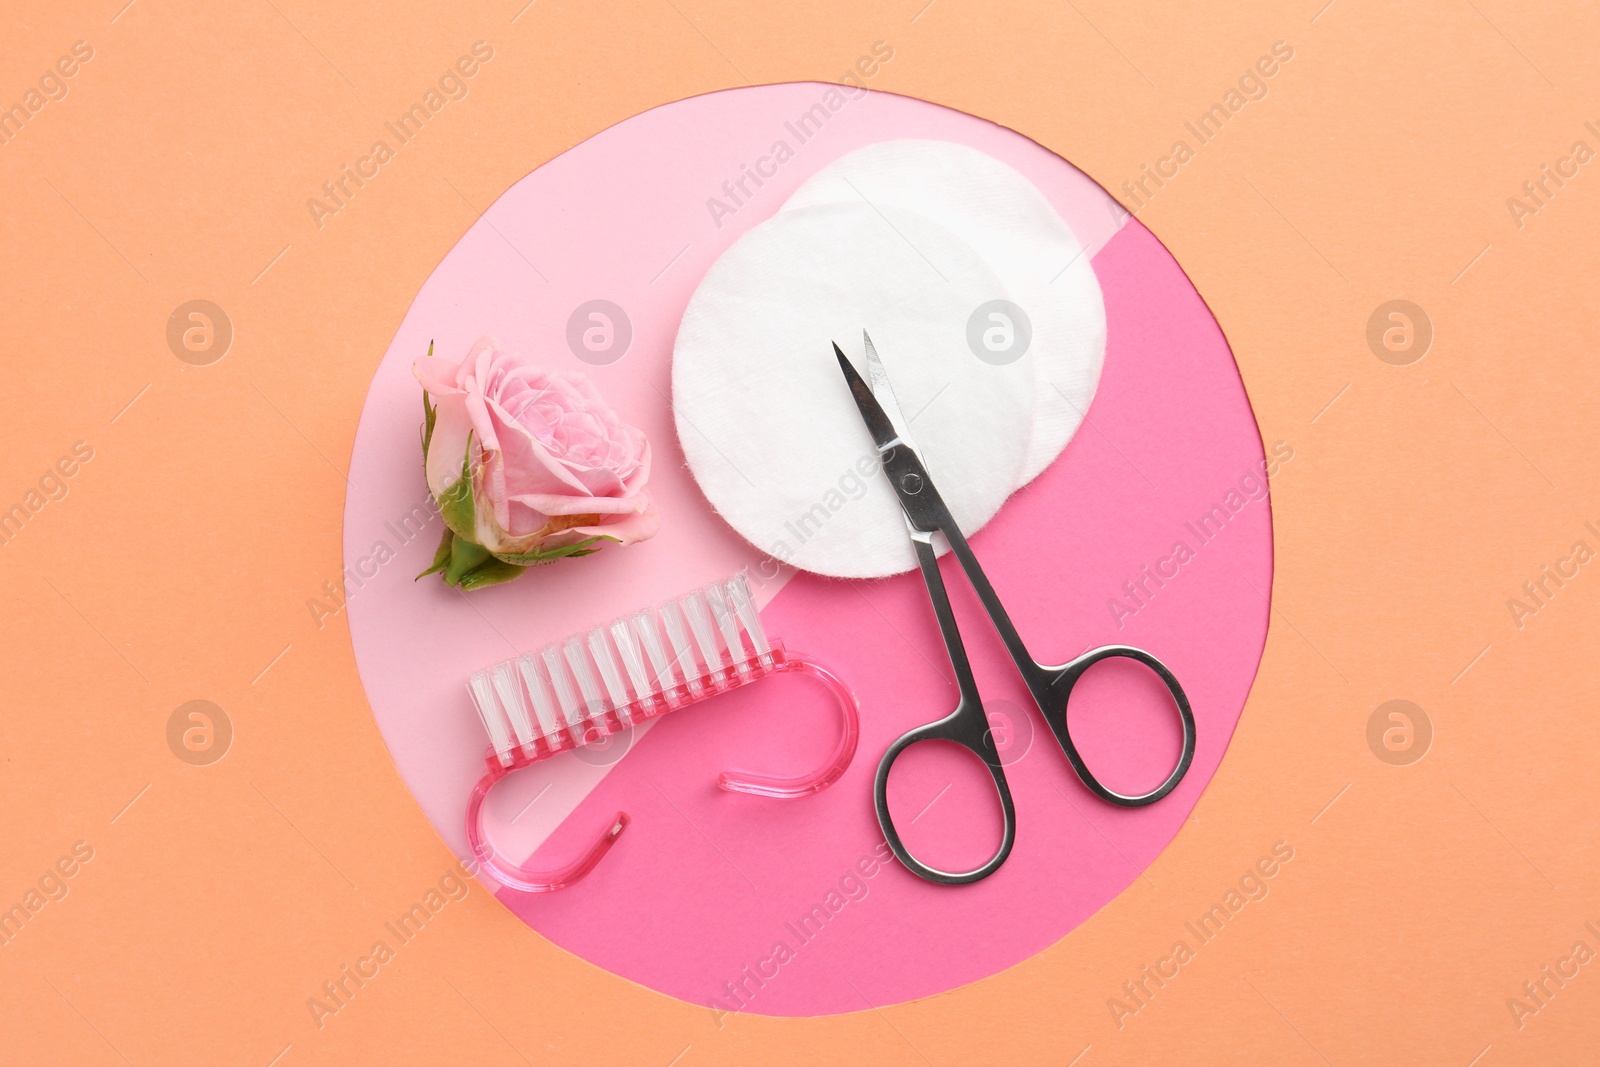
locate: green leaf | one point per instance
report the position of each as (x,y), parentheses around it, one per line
(464,556)
(549,555)
(455,503)
(441,555)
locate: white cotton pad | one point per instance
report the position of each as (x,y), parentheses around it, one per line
(1012,227)
(767,423)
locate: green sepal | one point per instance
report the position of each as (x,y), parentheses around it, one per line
(465,564)
(464,556)
(430,415)
(455,503)
(441,555)
(549,555)
(490,572)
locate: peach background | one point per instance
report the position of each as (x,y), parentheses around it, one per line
(179,565)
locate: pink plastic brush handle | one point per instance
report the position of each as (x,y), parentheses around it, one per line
(830,772)
(529,881)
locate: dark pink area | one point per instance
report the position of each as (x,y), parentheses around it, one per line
(706,883)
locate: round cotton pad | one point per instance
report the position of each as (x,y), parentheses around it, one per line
(1013,228)
(766,420)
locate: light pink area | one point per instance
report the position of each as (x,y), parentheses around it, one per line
(705,883)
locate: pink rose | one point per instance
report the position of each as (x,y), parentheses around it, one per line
(526,466)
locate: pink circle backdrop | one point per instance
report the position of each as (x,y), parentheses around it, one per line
(787,907)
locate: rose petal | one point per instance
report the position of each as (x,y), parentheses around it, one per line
(531,466)
(524,520)
(490,488)
(551,504)
(448,445)
(632,529)
(478,411)
(438,375)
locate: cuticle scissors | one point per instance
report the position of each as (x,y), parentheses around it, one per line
(968,725)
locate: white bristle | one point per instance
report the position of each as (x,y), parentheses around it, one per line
(494,720)
(606,660)
(678,638)
(566,698)
(745,605)
(594,704)
(627,646)
(699,616)
(727,624)
(509,691)
(544,704)
(649,634)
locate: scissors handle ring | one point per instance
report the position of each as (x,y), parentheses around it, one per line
(967,727)
(1060,682)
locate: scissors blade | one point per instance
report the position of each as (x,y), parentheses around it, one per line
(878,379)
(879,425)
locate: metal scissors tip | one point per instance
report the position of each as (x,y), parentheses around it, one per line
(879,425)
